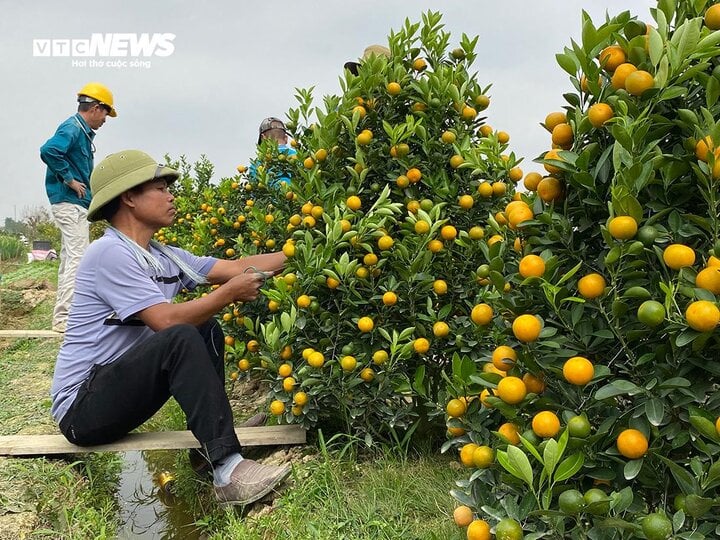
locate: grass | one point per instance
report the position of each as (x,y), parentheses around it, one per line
(68,499)
(335,490)
(27,365)
(16,309)
(13,271)
(377,496)
(11,248)
(72,500)
(25,377)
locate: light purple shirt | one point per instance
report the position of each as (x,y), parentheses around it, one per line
(110,287)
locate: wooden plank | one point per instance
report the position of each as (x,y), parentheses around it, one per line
(20,334)
(36,445)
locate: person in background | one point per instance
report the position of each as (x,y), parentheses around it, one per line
(129,348)
(377,50)
(274,129)
(69,158)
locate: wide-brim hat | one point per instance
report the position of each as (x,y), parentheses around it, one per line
(120,172)
(377,50)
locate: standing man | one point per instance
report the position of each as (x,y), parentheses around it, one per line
(69,158)
(129,347)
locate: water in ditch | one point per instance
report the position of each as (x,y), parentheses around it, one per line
(146,509)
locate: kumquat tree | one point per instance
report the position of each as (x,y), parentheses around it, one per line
(604,422)
(560,327)
(399,192)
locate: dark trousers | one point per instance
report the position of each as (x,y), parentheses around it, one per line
(183,361)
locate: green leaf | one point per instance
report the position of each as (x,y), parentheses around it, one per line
(691,73)
(686,337)
(655,411)
(705,427)
(622,137)
(462,497)
(612,256)
(672,92)
(645,176)
(676,382)
(569,466)
(570,273)
(498,280)
(550,456)
(710,41)
(685,481)
(632,468)
(562,443)
(617,388)
(713,477)
(622,500)
(617,523)
(285,321)
(668,8)
(678,520)
(685,39)
(384,333)
(462,367)
(655,45)
(531,448)
(493,512)
(712,90)
(368,437)
(521,462)
(567,62)
(584,179)
(627,205)
(661,75)
(697,506)
(504,462)
(419,381)
(454,92)
(444,312)
(688,116)
(589,35)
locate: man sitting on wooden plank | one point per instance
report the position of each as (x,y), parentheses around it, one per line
(128,347)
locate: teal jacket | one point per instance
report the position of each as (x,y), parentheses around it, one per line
(69,156)
(276,176)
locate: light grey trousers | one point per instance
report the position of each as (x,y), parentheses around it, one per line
(74,227)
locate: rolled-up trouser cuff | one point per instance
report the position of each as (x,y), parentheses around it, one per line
(219,448)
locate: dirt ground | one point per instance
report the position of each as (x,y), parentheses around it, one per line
(19,298)
(247,397)
(17,526)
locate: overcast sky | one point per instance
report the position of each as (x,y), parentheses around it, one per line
(235,62)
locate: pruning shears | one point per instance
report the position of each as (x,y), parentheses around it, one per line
(265,275)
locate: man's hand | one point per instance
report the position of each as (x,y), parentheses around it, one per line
(269,263)
(77,187)
(246,287)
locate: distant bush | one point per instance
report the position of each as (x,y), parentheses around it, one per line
(39,225)
(11,248)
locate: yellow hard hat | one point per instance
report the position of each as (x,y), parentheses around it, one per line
(98,92)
